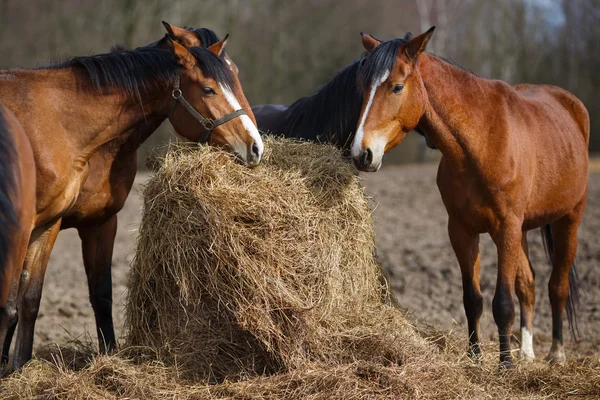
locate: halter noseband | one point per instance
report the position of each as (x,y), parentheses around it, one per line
(207,123)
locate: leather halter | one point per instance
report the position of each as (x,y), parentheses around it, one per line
(207,123)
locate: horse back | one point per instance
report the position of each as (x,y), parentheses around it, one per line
(557,151)
(557,103)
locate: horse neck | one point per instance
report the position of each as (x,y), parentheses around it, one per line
(94,116)
(454,117)
(330,114)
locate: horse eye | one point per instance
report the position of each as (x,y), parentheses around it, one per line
(208,90)
(398,88)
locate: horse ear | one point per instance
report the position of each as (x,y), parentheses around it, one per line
(408,36)
(183,57)
(368,41)
(218,47)
(417,45)
(183,36)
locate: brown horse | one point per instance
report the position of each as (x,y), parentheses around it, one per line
(514,158)
(112,172)
(84,119)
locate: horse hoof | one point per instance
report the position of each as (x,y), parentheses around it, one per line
(557,357)
(505,366)
(526,356)
(475,355)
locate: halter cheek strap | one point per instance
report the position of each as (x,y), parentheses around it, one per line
(207,123)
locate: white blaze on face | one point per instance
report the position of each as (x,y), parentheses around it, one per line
(527,344)
(358,138)
(248,124)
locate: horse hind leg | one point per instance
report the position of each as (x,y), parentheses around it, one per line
(10,284)
(9,313)
(564,236)
(525,290)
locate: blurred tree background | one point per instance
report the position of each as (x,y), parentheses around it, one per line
(286,49)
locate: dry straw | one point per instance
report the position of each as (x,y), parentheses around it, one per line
(69,373)
(250,271)
(261,284)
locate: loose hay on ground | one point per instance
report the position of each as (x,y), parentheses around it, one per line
(119,376)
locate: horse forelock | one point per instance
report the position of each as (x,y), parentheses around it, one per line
(379,61)
(213,66)
(206,36)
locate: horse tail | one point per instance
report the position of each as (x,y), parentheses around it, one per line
(573,297)
(8,189)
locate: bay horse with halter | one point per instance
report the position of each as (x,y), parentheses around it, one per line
(514,158)
(112,172)
(84,120)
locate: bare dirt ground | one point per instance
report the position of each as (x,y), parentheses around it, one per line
(412,245)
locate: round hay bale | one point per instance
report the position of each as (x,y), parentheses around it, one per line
(241,271)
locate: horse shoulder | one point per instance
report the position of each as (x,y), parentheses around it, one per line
(113,168)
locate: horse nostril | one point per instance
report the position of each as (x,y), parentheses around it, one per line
(367,157)
(255,150)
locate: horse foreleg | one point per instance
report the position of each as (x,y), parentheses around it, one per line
(564,232)
(466,248)
(30,291)
(97,244)
(525,290)
(510,259)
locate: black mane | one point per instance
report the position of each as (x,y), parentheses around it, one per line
(206,36)
(213,66)
(330,114)
(143,69)
(134,71)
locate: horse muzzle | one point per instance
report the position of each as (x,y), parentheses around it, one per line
(365,161)
(249,157)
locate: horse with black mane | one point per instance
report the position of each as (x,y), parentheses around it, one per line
(84,120)
(514,158)
(112,172)
(329,115)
